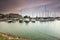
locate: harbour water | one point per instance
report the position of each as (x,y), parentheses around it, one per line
(35,31)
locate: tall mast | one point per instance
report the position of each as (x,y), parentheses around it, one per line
(45,11)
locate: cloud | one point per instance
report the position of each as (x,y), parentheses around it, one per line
(15,5)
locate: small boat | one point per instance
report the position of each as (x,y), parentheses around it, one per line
(58,18)
(20,21)
(10,21)
(44,20)
(33,20)
(47,19)
(26,20)
(51,19)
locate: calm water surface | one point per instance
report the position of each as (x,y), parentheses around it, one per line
(35,31)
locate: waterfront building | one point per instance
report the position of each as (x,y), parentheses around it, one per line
(13,16)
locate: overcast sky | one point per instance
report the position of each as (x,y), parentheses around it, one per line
(51,6)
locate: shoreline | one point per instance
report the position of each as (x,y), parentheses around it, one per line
(12,37)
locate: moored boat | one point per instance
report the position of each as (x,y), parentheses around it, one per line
(21,21)
(26,20)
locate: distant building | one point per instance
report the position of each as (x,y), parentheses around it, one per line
(13,16)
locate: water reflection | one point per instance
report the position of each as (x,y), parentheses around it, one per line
(36,31)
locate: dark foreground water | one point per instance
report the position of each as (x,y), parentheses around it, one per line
(35,31)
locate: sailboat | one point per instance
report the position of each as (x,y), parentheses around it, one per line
(21,19)
(26,19)
(32,19)
(44,18)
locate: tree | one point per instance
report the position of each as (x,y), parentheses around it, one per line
(2,16)
(26,16)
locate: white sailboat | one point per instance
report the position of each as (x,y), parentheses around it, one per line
(32,19)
